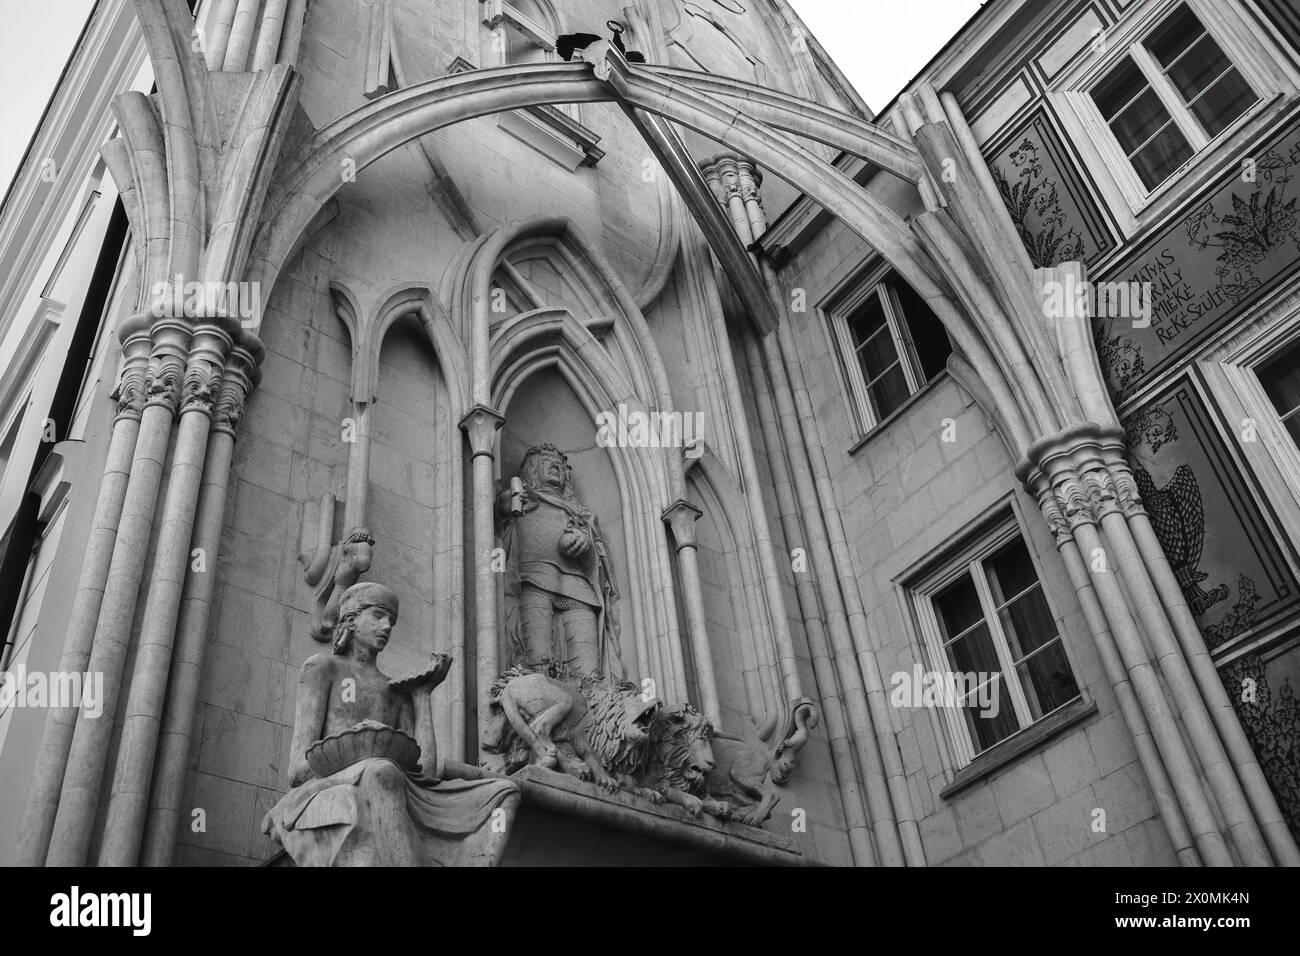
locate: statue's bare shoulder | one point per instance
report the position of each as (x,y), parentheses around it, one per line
(319,667)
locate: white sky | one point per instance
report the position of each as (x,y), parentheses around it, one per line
(35,44)
(879,44)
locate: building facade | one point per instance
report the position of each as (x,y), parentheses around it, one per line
(786,483)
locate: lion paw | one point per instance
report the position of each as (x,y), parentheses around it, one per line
(694,805)
(608,783)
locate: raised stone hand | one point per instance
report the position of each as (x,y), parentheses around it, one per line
(429,678)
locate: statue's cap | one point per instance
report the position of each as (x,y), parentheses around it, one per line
(366,594)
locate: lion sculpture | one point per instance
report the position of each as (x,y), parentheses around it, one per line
(587,727)
(678,762)
(744,775)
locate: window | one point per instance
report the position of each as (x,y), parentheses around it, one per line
(1172,92)
(1280,377)
(891,346)
(990,633)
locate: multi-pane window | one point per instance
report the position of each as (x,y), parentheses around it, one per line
(988,624)
(1171,93)
(892,345)
(1280,377)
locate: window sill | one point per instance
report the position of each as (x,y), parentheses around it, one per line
(1018,745)
(866,437)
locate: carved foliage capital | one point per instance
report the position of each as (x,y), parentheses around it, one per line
(163,380)
(228,411)
(129,393)
(1054,515)
(201,386)
(1073,498)
(1102,497)
(1126,490)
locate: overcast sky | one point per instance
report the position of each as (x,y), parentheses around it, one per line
(879,44)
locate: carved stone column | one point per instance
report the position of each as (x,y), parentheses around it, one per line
(200,388)
(735,182)
(681,516)
(51,761)
(1071,477)
(480,425)
(240,377)
(1188,643)
(88,756)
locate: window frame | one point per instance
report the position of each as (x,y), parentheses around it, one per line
(1241,371)
(1253,48)
(921,593)
(1279,418)
(851,296)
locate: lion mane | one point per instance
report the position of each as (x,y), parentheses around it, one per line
(605,723)
(607,727)
(670,750)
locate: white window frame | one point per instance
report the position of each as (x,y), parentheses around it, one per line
(969,561)
(845,303)
(1275,415)
(1242,373)
(1263,62)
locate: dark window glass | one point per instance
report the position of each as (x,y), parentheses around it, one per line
(929,337)
(1281,380)
(882,369)
(1035,646)
(1141,124)
(1201,72)
(969,648)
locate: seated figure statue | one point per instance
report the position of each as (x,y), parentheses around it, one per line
(362,793)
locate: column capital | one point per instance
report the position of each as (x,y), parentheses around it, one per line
(241,376)
(129,392)
(681,516)
(1054,515)
(480,426)
(167,361)
(210,343)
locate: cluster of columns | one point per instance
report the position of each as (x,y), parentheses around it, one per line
(868,764)
(1211,790)
(254,35)
(182,388)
